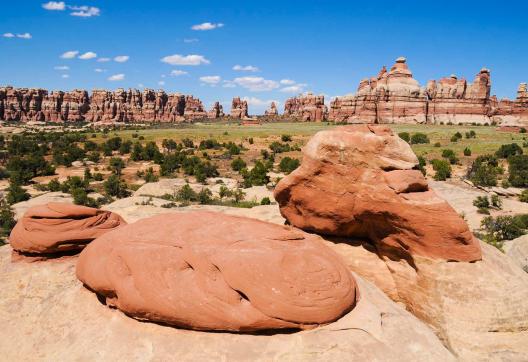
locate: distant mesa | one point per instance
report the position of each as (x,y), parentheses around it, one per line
(396,97)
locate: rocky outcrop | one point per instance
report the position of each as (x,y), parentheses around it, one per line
(59,227)
(217,111)
(239,108)
(394,96)
(211,271)
(272,110)
(102,106)
(360,181)
(308,108)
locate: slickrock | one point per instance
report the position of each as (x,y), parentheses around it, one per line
(359,181)
(211,271)
(517,250)
(396,97)
(217,111)
(308,107)
(47,314)
(102,106)
(239,108)
(272,110)
(58,227)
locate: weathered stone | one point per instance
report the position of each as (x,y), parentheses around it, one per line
(239,108)
(308,107)
(217,111)
(358,181)
(211,271)
(272,110)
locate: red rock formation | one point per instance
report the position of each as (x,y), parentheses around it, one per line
(22,104)
(212,271)
(309,107)
(272,110)
(396,97)
(57,227)
(239,108)
(217,111)
(359,181)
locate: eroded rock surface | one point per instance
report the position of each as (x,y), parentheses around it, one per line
(359,181)
(308,107)
(239,108)
(58,227)
(210,271)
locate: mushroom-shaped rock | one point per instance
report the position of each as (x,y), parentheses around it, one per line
(359,181)
(58,227)
(211,271)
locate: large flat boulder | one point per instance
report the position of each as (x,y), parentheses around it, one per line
(359,181)
(211,271)
(47,314)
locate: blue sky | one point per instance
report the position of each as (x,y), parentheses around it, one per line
(325,47)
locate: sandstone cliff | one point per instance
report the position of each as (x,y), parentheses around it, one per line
(309,108)
(396,97)
(23,104)
(239,108)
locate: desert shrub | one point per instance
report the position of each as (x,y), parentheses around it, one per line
(54,185)
(419,138)
(481,202)
(98,176)
(523,197)
(187,142)
(250,140)
(3,173)
(151,152)
(450,155)
(116,165)
(114,186)
(90,146)
(518,169)
(265,201)
(205,196)
(278,147)
(238,164)
(442,168)
(471,134)
(438,144)
(288,164)
(7,219)
(257,176)
(457,136)
(224,192)
(421,164)
(137,152)
(125,147)
(467,151)
(150,176)
(286,138)
(186,194)
(405,136)
(209,144)
(496,201)
(506,151)
(484,170)
(114,143)
(505,227)
(232,149)
(15,192)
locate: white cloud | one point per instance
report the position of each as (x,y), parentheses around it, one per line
(116,77)
(24,36)
(257,102)
(54,5)
(8,35)
(211,79)
(65,76)
(177,72)
(190,40)
(246,68)
(88,55)
(228,84)
(178,59)
(61,67)
(99,70)
(298,88)
(207,26)
(70,54)
(287,82)
(161,82)
(103,60)
(121,58)
(256,84)
(84,11)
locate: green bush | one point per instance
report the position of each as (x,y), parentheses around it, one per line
(442,168)
(7,219)
(257,176)
(265,201)
(205,196)
(186,194)
(278,147)
(438,144)
(467,151)
(450,155)
(457,136)
(471,134)
(481,202)
(518,169)
(506,151)
(286,138)
(150,176)
(288,164)
(421,164)
(484,171)
(523,197)
(405,136)
(238,164)
(113,186)
(419,138)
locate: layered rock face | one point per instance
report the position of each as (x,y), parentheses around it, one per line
(239,108)
(22,104)
(309,108)
(211,271)
(58,227)
(272,110)
(360,181)
(217,111)
(396,97)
